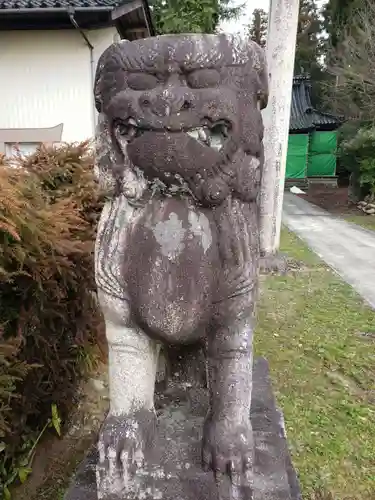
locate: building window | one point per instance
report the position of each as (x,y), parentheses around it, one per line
(24,148)
(27,140)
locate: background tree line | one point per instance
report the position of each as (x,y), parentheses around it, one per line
(350,62)
(204,16)
(335,46)
(191,16)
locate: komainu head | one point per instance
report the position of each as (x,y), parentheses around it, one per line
(180,115)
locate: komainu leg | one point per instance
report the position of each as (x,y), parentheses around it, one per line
(228,440)
(127,435)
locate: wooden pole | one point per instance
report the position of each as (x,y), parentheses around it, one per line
(281,47)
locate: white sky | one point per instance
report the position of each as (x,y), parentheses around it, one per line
(241,24)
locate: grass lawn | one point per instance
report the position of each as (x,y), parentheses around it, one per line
(312,329)
(366,221)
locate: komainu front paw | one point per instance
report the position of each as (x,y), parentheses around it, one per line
(124,444)
(228,452)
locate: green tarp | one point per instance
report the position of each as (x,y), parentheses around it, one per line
(296,161)
(322,154)
(311,155)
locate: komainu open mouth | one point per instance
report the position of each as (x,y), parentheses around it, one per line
(210,134)
(213,136)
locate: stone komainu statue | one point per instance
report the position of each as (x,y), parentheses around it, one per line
(180,155)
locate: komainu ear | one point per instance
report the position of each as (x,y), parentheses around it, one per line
(113,168)
(260,66)
(105,157)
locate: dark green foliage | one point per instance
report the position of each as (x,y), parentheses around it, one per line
(308,43)
(48,315)
(358,157)
(308,48)
(258,27)
(191,16)
(338,17)
(351,61)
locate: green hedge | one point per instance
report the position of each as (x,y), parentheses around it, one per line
(49,321)
(358,157)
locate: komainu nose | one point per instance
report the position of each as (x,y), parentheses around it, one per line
(165,103)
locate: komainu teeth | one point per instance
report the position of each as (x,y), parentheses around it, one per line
(194,133)
(216,142)
(202,135)
(214,138)
(132,133)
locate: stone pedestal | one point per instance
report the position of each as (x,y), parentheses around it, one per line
(181,410)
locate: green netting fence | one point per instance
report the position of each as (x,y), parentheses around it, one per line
(322,154)
(296,161)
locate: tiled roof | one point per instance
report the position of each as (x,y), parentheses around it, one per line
(303,116)
(58,4)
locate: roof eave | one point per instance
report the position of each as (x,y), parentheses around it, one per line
(301,93)
(42,10)
(122,17)
(123,10)
(301,130)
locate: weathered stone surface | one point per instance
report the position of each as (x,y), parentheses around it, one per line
(277,263)
(181,414)
(367,205)
(180,154)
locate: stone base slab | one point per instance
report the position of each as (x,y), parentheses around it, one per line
(181,410)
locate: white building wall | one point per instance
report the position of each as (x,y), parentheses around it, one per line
(45,79)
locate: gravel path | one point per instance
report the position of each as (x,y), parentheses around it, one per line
(347,248)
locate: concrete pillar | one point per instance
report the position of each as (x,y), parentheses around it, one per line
(281,46)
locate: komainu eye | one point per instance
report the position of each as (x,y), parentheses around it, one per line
(203,78)
(142,81)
